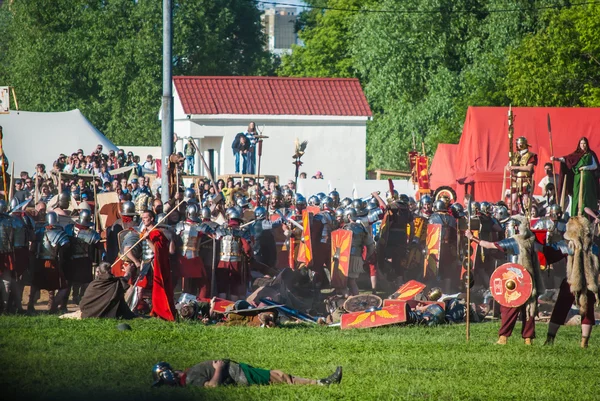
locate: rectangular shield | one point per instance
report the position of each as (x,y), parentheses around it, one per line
(305,254)
(433,246)
(341,243)
(409,290)
(385,316)
(541,236)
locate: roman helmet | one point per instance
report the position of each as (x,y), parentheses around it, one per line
(205,213)
(64,200)
(189,193)
(327,203)
(391,196)
(335,196)
(233,213)
(522,143)
(51,219)
(85,218)
(350,215)
(345,202)
(300,202)
(128,209)
(440,206)
(501,214)
(260,213)
(555,212)
(192,213)
(163,373)
(457,210)
(314,200)
(486,208)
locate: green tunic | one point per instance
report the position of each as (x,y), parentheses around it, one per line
(589,198)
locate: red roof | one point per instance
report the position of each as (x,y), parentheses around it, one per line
(272,95)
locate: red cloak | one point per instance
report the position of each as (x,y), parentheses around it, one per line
(162,290)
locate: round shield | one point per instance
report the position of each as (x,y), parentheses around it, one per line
(511,285)
(360,303)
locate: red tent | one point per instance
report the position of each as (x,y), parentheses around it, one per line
(483,148)
(442,166)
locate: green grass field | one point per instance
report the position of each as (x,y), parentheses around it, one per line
(48,358)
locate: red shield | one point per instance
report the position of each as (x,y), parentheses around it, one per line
(381,317)
(541,236)
(511,285)
(433,246)
(341,241)
(409,290)
(220,304)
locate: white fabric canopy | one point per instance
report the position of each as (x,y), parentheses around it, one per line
(32,137)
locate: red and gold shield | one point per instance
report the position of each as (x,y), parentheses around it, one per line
(409,290)
(341,242)
(312,209)
(541,236)
(305,254)
(220,304)
(379,317)
(511,285)
(433,245)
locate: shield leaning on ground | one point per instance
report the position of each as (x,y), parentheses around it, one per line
(511,285)
(360,303)
(375,318)
(341,243)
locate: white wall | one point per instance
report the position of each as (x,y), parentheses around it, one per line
(353,188)
(336,148)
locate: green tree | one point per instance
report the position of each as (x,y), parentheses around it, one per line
(560,64)
(105,56)
(326,35)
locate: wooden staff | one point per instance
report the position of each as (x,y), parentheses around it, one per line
(503,196)
(580,200)
(36,196)
(511,131)
(12,182)
(147,233)
(468,317)
(208,172)
(563,195)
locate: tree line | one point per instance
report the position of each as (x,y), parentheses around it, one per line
(421,64)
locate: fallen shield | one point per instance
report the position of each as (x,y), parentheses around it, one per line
(360,303)
(376,318)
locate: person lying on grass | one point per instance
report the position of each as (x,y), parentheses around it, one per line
(225,372)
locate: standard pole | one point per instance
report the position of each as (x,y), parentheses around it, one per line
(167,98)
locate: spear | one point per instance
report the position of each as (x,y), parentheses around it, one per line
(552,157)
(468,314)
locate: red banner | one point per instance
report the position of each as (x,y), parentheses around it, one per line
(433,245)
(423,173)
(412,159)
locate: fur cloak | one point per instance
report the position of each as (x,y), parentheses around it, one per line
(582,266)
(528,258)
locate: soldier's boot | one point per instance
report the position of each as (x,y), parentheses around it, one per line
(584,342)
(529,341)
(52,304)
(502,340)
(549,340)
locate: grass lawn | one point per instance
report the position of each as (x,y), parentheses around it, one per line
(49,358)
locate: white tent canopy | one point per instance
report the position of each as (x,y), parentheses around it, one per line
(32,137)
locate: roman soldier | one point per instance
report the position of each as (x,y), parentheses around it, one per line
(126,236)
(64,202)
(264,247)
(580,286)
(6,253)
(442,267)
(23,235)
(321,227)
(209,249)
(78,263)
(554,227)
(236,250)
(394,240)
(51,242)
(192,269)
(374,215)
(293,233)
(521,170)
(519,248)
(360,240)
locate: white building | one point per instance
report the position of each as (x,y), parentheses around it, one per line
(279,24)
(330,113)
